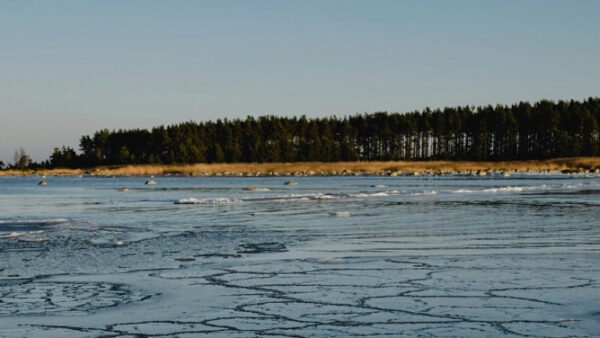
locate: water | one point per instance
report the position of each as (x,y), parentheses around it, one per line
(331,256)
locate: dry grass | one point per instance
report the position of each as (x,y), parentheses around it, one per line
(327,168)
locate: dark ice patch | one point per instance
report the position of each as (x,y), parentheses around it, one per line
(252,248)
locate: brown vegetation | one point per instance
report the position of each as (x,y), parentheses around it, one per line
(575,164)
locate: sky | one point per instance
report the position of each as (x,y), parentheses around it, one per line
(69,68)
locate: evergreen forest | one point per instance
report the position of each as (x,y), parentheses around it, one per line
(521,131)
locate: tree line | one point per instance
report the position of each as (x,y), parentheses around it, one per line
(520,131)
(20,161)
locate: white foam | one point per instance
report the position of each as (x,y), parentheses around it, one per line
(374,194)
(580,185)
(290,198)
(219,200)
(251,188)
(321,197)
(425,193)
(364,195)
(13,235)
(20,234)
(294,197)
(505,189)
(502,189)
(464,191)
(341,214)
(280,199)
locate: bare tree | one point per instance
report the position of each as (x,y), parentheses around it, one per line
(22,160)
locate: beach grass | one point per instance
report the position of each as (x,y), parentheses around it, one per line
(573,164)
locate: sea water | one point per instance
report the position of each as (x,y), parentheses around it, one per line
(331,256)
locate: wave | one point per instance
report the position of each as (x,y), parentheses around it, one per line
(375,194)
(294,197)
(424,193)
(527,188)
(22,228)
(220,200)
(580,185)
(502,189)
(259,189)
(321,196)
(282,198)
(34,225)
(20,234)
(571,192)
(340,214)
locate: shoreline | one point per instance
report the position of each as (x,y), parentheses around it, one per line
(374,168)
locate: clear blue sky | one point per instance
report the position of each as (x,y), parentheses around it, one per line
(68,68)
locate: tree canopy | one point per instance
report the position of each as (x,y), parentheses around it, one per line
(541,130)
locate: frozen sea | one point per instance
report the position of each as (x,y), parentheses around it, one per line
(329,257)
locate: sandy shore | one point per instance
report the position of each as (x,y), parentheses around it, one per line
(393,168)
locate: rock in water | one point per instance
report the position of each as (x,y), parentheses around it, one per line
(290,183)
(124,189)
(250,188)
(150,182)
(43,182)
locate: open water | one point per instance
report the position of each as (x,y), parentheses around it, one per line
(330,257)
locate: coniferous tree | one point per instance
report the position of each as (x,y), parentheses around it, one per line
(520,131)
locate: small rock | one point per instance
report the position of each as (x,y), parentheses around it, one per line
(43,182)
(290,183)
(150,182)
